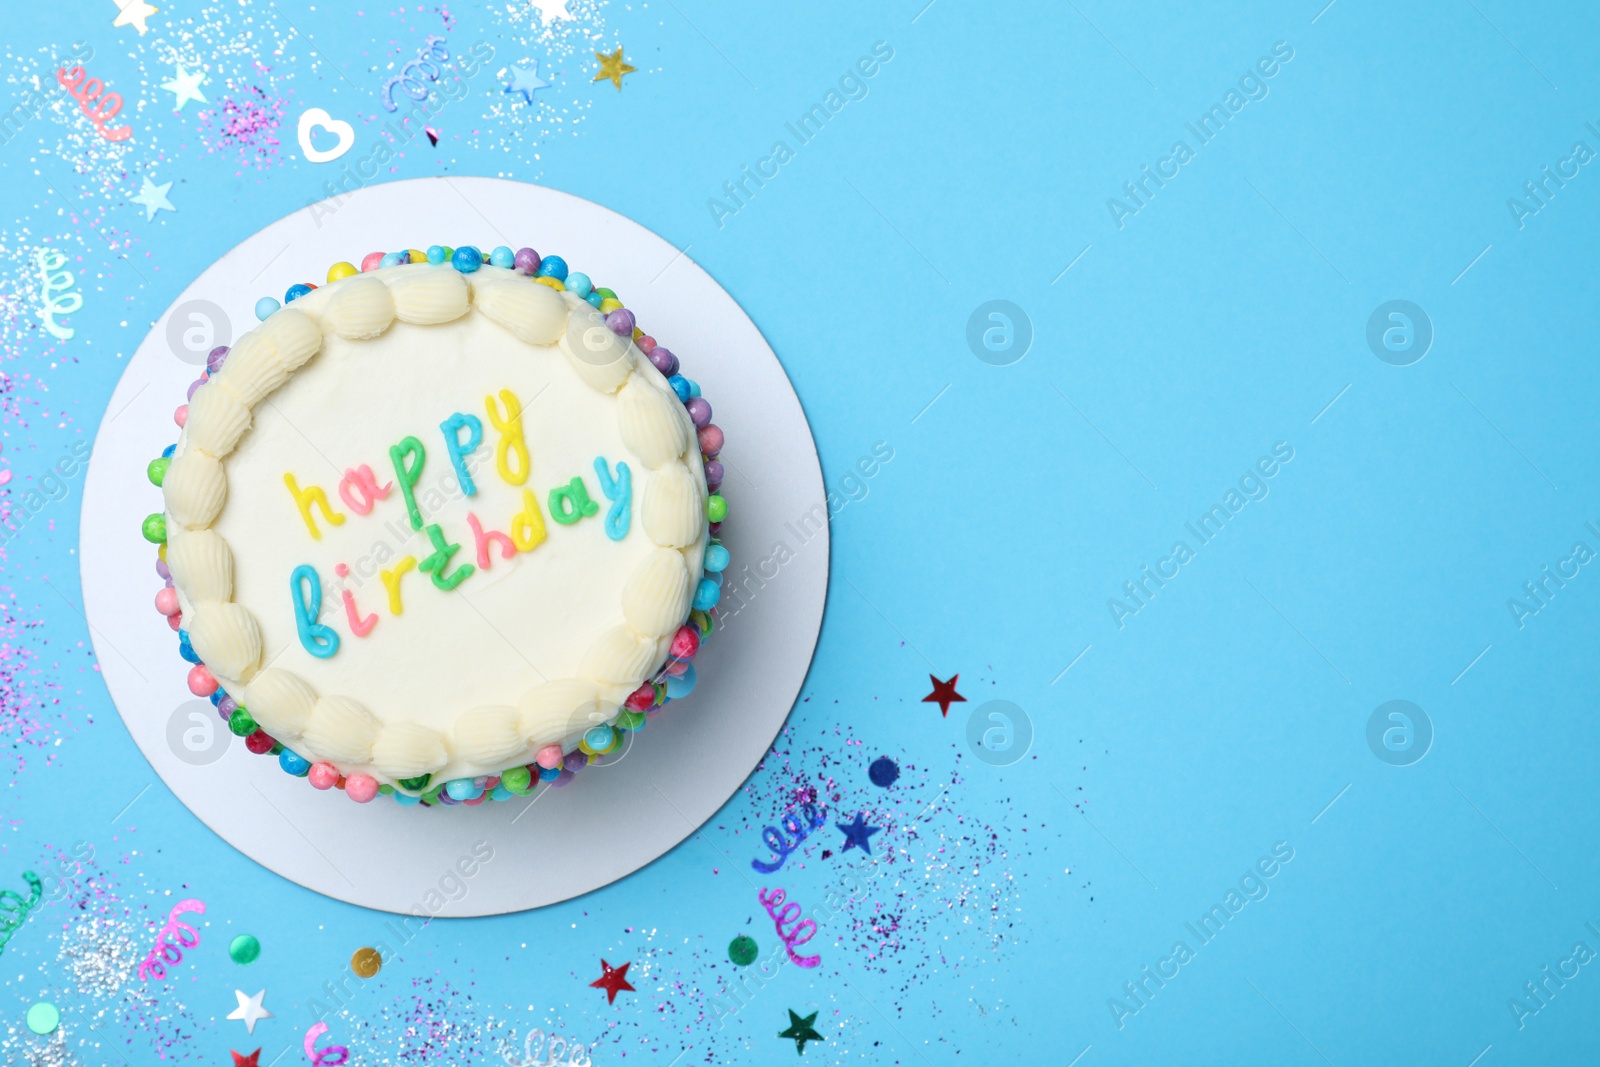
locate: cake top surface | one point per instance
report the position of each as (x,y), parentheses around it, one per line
(429,522)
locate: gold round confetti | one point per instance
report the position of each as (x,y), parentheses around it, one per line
(366,962)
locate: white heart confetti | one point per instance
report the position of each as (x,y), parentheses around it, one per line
(315,117)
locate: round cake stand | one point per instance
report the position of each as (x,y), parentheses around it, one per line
(675,773)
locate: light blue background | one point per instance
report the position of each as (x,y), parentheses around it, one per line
(1222,318)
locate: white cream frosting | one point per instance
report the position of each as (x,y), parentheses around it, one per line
(533,650)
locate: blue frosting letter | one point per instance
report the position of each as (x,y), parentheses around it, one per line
(319,640)
(452,440)
(619,491)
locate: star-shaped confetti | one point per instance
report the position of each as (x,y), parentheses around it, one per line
(154,198)
(249,1010)
(613,68)
(133,13)
(613,981)
(800,1030)
(551,9)
(857,834)
(252,1060)
(185,87)
(944,694)
(526,80)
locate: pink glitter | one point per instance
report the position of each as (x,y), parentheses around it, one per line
(248,122)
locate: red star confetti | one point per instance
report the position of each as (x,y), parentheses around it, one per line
(613,981)
(944,694)
(252,1060)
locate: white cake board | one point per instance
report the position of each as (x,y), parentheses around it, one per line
(610,821)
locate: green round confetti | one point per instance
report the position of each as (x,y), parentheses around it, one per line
(43,1018)
(743,950)
(244,949)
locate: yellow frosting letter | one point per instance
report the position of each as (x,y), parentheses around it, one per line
(527,529)
(391,581)
(305,498)
(511,443)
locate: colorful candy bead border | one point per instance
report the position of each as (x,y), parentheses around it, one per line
(552,765)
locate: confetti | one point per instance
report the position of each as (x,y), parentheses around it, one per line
(743,950)
(613,981)
(612,68)
(153,197)
(250,1010)
(43,1017)
(883,772)
(244,949)
(801,1031)
(944,694)
(857,834)
(366,962)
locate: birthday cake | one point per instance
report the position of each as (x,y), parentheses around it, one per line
(442,529)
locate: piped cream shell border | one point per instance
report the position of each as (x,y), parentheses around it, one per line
(671,510)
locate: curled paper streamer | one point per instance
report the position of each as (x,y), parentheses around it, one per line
(331,1056)
(174,937)
(782,847)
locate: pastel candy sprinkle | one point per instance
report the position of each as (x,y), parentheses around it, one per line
(710,437)
(620,322)
(664,361)
(681,685)
(201,683)
(706,595)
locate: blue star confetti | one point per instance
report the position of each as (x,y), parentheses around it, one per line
(857,834)
(153,198)
(526,80)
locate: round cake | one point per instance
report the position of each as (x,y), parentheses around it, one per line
(443,528)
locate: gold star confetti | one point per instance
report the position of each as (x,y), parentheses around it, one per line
(613,68)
